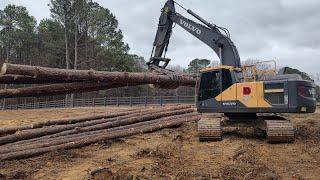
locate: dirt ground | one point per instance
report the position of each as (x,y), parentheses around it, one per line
(171,154)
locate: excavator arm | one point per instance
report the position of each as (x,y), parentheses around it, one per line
(208,33)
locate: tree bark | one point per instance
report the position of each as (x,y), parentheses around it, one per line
(81,135)
(170,122)
(57,89)
(104,123)
(72,120)
(132,114)
(18,79)
(179,79)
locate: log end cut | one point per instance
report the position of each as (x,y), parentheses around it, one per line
(3,69)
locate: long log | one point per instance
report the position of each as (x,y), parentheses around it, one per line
(109,125)
(59,89)
(70,138)
(72,120)
(31,139)
(98,76)
(173,121)
(20,79)
(73,130)
(96,120)
(33,133)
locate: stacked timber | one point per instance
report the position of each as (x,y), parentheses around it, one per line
(62,81)
(24,142)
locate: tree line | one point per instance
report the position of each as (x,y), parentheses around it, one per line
(80,34)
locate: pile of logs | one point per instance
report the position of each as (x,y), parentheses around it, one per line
(53,81)
(61,134)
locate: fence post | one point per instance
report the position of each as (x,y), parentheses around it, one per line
(105,101)
(93,102)
(72,102)
(145,101)
(130,101)
(118,101)
(178,99)
(161,101)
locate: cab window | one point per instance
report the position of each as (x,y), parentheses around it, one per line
(211,82)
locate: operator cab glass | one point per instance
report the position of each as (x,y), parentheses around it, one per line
(212,85)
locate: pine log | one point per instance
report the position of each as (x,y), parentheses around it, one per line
(95,121)
(58,89)
(33,133)
(133,114)
(20,79)
(179,79)
(70,138)
(170,122)
(52,132)
(109,125)
(72,120)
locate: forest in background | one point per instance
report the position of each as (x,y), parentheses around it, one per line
(80,34)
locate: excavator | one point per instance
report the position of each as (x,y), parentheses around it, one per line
(231,95)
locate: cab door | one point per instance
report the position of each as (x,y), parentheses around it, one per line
(209,89)
(228,96)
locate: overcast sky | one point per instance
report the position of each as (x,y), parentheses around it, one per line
(287,31)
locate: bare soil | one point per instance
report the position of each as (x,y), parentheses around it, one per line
(171,154)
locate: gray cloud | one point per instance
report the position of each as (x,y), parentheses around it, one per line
(284,30)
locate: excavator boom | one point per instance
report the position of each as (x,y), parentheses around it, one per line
(207,33)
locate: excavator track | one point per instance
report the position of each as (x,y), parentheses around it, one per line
(209,128)
(279,131)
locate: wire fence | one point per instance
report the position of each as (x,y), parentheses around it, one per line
(107,101)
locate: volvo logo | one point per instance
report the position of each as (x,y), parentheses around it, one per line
(229,103)
(190,26)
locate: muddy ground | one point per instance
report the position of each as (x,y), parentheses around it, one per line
(171,154)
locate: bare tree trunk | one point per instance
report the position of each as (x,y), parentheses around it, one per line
(75,52)
(131,114)
(177,79)
(8,52)
(91,139)
(76,46)
(74,137)
(67,49)
(72,120)
(93,125)
(57,89)
(86,39)
(18,79)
